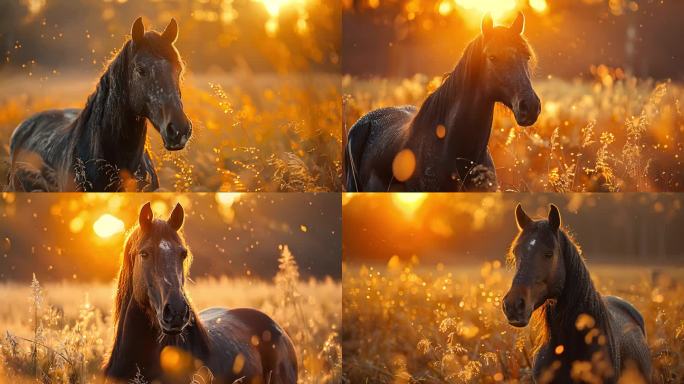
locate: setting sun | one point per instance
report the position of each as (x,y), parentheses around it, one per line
(107,226)
(498,8)
(408,203)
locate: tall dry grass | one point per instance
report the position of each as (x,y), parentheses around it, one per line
(613,133)
(406,323)
(251,132)
(62,332)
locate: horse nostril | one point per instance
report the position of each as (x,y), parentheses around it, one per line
(520,304)
(522,106)
(171,130)
(167,314)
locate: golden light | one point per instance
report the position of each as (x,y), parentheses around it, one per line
(499,9)
(275,7)
(76,224)
(445,7)
(107,226)
(227,198)
(409,202)
(225,202)
(403,165)
(539,6)
(160,208)
(175,361)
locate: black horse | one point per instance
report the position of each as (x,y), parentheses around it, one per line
(102,146)
(584,337)
(153,318)
(444,143)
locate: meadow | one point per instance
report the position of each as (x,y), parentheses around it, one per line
(409,323)
(251,132)
(612,132)
(60,332)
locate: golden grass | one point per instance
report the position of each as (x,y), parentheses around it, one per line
(265,132)
(75,324)
(610,134)
(404,323)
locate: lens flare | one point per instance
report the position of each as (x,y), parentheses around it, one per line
(107,226)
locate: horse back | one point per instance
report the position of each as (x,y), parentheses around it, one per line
(39,131)
(373,142)
(267,349)
(36,147)
(630,334)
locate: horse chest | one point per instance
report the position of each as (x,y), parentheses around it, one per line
(572,362)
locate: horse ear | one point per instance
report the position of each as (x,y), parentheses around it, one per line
(138,30)
(145,218)
(176,218)
(518,25)
(521,217)
(487,24)
(554,218)
(170,34)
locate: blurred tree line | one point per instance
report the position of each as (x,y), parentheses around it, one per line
(399,38)
(622,227)
(258,35)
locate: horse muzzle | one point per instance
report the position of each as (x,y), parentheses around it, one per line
(174,320)
(176,135)
(517,311)
(527,109)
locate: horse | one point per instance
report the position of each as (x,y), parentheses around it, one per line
(102,146)
(153,316)
(445,142)
(582,335)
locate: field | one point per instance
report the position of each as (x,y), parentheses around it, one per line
(251,132)
(405,323)
(612,133)
(67,337)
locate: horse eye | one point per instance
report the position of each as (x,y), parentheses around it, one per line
(549,255)
(492,58)
(141,71)
(144,254)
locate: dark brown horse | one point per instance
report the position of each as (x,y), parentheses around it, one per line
(102,146)
(153,315)
(583,336)
(445,141)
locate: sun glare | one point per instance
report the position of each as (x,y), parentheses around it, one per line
(498,8)
(227,198)
(274,9)
(539,6)
(408,203)
(107,226)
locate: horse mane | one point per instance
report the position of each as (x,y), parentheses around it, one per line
(454,85)
(124,290)
(105,103)
(577,297)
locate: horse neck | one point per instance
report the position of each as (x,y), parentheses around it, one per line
(578,297)
(136,347)
(463,107)
(108,129)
